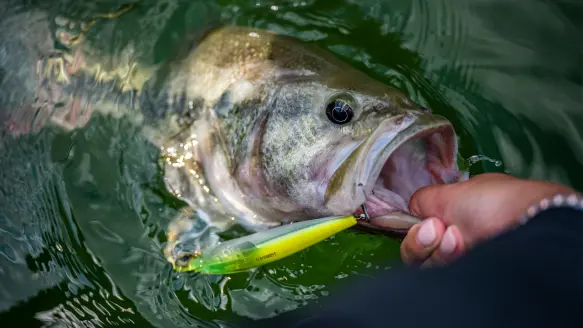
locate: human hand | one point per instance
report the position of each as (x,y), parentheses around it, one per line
(463,214)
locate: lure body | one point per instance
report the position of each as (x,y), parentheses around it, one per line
(264,247)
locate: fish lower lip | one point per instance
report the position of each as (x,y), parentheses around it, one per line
(425,158)
(397,222)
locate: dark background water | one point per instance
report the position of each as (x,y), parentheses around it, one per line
(83,214)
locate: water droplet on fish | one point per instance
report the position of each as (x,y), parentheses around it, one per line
(478,158)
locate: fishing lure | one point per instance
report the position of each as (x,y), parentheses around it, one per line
(264,247)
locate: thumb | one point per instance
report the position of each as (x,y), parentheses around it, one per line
(429,201)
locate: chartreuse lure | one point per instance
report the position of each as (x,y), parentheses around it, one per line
(263,247)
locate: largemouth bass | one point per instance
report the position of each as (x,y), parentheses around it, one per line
(262,128)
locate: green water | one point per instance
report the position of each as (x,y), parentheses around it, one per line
(83,214)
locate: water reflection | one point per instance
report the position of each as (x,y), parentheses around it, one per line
(45,256)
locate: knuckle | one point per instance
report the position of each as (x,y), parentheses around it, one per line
(406,253)
(437,259)
(410,256)
(413,257)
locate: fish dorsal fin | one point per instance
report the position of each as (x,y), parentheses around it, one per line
(180,52)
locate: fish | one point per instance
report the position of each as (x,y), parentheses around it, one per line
(262,129)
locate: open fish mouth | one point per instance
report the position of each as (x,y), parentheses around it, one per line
(422,154)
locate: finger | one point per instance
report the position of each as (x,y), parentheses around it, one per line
(430,201)
(421,241)
(451,247)
(494,176)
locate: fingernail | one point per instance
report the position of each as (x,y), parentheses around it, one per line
(448,242)
(426,235)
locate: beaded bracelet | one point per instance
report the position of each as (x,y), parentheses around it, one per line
(560,200)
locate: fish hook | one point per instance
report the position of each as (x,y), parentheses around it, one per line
(364,215)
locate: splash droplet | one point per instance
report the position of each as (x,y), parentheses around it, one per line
(478,158)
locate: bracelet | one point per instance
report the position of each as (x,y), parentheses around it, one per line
(574,201)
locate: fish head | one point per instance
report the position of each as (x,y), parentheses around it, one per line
(298,134)
(333,143)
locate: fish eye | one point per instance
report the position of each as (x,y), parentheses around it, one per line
(339,111)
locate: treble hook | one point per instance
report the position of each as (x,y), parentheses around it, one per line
(364,215)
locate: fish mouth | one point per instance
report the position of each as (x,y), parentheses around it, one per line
(422,154)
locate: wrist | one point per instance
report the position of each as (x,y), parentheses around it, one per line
(523,200)
(562,199)
(536,193)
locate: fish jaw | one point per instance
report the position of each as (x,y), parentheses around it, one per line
(404,154)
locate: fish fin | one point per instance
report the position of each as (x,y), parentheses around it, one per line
(180,52)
